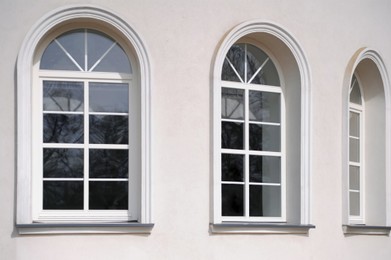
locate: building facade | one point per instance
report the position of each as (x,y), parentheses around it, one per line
(198,130)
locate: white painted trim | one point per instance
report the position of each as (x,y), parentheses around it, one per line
(360,55)
(237,33)
(24,86)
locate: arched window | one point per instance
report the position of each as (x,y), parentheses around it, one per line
(252,127)
(261,133)
(83,125)
(366,148)
(356,152)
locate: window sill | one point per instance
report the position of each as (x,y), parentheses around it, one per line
(82,228)
(366,230)
(259,228)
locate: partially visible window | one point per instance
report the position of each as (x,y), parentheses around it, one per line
(252,143)
(356,153)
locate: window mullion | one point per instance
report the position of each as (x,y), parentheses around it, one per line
(247,156)
(86,145)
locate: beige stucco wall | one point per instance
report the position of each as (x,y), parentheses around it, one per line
(182,38)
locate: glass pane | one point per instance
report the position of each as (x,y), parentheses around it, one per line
(264,106)
(354,177)
(232,200)
(108,129)
(232,167)
(54,58)
(63,128)
(268,74)
(265,201)
(73,43)
(265,138)
(232,135)
(236,56)
(63,96)
(63,163)
(354,203)
(354,150)
(63,195)
(109,97)
(354,124)
(355,93)
(108,163)
(232,103)
(108,195)
(266,169)
(115,60)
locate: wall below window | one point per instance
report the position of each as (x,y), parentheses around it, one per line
(182,38)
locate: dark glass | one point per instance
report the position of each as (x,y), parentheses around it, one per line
(63,96)
(264,106)
(268,75)
(236,56)
(354,124)
(265,201)
(109,97)
(232,167)
(115,60)
(108,163)
(63,128)
(266,169)
(354,177)
(232,135)
(355,93)
(53,58)
(63,163)
(354,150)
(232,103)
(73,43)
(108,195)
(108,129)
(63,195)
(232,200)
(265,138)
(354,203)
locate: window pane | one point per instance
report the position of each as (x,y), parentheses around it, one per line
(235,55)
(63,195)
(268,74)
(63,128)
(264,106)
(108,195)
(115,60)
(265,138)
(265,201)
(109,97)
(63,96)
(354,177)
(355,93)
(63,163)
(354,203)
(354,124)
(232,167)
(354,150)
(232,200)
(54,58)
(266,169)
(73,43)
(108,163)
(232,135)
(232,103)
(108,129)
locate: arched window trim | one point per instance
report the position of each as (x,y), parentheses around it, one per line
(359,56)
(25,80)
(234,36)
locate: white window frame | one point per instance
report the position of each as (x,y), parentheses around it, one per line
(246,151)
(360,110)
(25,75)
(219,225)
